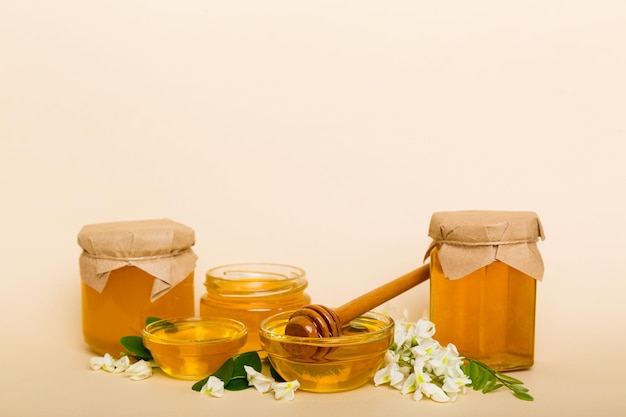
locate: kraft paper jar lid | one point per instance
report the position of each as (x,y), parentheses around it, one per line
(470,240)
(160,247)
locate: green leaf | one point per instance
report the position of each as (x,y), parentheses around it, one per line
(134,345)
(233,373)
(473,371)
(496,387)
(237,384)
(198,385)
(491,385)
(523,396)
(518,388)
(486,379)
(247,358)
(239,378)
(482,379)
(508,378)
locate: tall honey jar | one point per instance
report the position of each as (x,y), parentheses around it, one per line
(251,292)
(131,270)
(484,268)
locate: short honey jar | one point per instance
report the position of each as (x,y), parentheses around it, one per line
(132,270)
(484,268)
(251,292)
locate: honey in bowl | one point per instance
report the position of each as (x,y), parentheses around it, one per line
(345,362)
(193,348)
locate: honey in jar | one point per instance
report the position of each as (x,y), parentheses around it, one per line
(484,270)
(130,271)
(251,292)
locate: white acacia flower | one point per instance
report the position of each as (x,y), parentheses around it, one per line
(421,385)
(390,374)
(261,382)
(444,358)
(96,362)
(106,363)
(425,349)
(403,334)
(453,385)
(121,364)
(432,391)
(285,390)
(139,370)
(416,363)
(214,387)
(425,329)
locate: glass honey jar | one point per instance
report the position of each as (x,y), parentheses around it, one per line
(132,270)
(484,267)
(251,292)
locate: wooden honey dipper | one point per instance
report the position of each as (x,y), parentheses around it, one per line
(316,320)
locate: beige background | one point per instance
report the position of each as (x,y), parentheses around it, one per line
(321,134)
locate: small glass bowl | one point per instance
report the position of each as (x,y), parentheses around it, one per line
(339,363)
(193,348)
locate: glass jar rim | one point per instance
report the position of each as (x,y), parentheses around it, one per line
(255,279)
(257,271)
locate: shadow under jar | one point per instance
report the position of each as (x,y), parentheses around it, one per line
(251,292)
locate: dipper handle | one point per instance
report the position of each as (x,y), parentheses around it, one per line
(316,320)
(382,294)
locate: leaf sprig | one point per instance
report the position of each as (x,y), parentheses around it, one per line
(232,372)
(486,379)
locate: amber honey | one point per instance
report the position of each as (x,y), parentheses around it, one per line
(484,267)
(489,314)
(348,361)
(124,304)
(252,292)
(132,270)
(193,348)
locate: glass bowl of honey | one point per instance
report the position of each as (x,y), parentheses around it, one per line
(192,348)
(328,364)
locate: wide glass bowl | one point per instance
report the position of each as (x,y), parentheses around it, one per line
(336,363)
(193,348)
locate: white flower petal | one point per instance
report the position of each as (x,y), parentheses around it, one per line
(214,387)
(425,329)
(409,385)
(261,382)
(139,370)
(108,363)
(121,364)
(417,395)
(434,392)
(96,362)
(285,390)
(396,377)
(381,376)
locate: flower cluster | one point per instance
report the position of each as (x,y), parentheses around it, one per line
(282,390)
(136,371)
(214,386)
(418,364)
